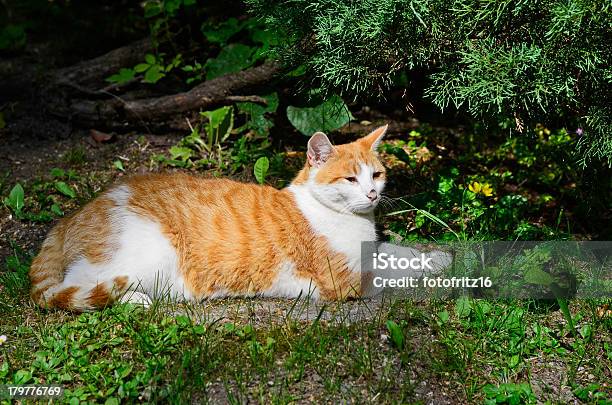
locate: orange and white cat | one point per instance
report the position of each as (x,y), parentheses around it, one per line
(188,238)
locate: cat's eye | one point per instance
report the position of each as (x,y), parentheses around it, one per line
(351,179)
(377,175)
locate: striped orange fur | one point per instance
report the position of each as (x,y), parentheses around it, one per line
(205,238)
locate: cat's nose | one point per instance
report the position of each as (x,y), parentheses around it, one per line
(372,195)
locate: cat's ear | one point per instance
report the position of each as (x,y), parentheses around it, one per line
(320,149)
(372,140)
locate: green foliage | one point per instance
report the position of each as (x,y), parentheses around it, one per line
(397,335)
(152,70)
(65,189)
(260,170)
(15,278)
(592,393)
(510,394)
(196,72)
(232,58)
(331,114)
(219,126)
(12,37)
(118,164)
(215,148)
(257,115)
(15,200)
(490,193)
(222,32)
(195,150)
(124,76)
(165,8)
(513,61)
(44,199)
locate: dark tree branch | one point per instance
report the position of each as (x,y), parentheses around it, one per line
(211,92)
(97,69)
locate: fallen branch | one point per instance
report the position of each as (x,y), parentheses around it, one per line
(211,92)
(97,69)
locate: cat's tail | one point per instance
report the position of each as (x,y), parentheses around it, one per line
(47,270)
(50,290)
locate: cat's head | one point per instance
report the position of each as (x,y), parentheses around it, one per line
(346,178)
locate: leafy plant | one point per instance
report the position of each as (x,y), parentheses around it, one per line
(232,58)
(196,70)
(330,115)
(218,127)
(153,69)
(65,189)
(396,333)
(481,63)
(511,394)
(118,164)
(16,200)
(257,115)
(222,32)
(193,150)
(12,37)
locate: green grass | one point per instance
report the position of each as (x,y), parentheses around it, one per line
(467,351)
(282,351)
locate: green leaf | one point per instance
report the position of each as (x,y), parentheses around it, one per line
(118,164)
(261,169)
(4,369)
(219,126)
(22,377)
(141,67)
(16,199)
(56,173)
(534,275)
(154,74)
(257,119)
(151,9)
(564,307)
(514,361)
(65,189)
(150,59)
(221,33)
(586,331)
(57,210)
(255,109)
(327,116)
(463,307)
(232,58)
(124,76)
(397,336)
(180,153)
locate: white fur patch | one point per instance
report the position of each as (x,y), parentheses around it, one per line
(287,284)
(144,255)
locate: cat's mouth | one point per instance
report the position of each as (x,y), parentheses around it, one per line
(366,207)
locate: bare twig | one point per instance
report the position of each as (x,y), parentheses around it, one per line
(249,99)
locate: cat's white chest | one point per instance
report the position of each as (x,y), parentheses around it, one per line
(345,232)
